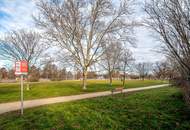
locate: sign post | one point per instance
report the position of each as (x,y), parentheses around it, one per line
(21,94)
(21,69)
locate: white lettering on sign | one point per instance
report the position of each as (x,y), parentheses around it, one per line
(21,68)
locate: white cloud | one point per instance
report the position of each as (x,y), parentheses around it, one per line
(147,46)
(19,12)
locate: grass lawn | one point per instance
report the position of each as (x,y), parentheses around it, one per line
(10,91)
(158,109)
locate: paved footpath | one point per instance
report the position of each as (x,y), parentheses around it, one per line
(13,106)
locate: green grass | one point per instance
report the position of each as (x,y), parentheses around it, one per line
(10,91)
(158,109)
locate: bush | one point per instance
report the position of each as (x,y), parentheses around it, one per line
(185,85)
(186,91)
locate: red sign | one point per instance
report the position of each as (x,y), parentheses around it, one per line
(21,67)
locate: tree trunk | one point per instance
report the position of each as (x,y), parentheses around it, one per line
(27,84)
(27,79)
(124,79)
(110,76)
(85,71)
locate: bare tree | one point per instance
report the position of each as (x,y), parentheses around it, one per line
(111,57)
(11,74)
(164,69)
(21,45)
(143,69)
(49,70)
(79,27)
(171,20)
(160,70)
(3,73)
(125,62)
(34,75)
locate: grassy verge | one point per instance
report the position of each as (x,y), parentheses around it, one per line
(158,109)
(10,91)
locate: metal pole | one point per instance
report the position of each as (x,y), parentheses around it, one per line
(21,94)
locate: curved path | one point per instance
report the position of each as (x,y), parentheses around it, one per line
(13,106)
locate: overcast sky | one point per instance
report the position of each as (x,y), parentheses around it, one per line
(15,14)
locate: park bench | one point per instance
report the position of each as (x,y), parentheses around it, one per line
(117,89)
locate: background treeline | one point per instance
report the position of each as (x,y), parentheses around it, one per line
(51,71)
